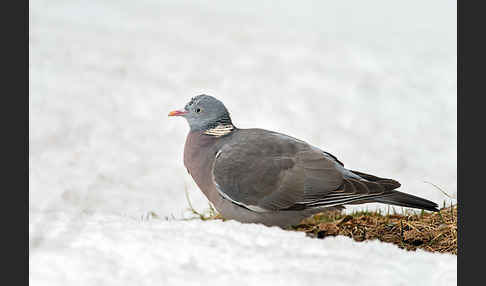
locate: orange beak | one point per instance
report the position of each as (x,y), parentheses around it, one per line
(177,113)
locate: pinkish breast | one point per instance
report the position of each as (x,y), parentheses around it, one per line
(199,154)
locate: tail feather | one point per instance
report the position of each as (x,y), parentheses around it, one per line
(395,197)
(406,200)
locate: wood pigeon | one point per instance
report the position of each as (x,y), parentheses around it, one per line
(260,176)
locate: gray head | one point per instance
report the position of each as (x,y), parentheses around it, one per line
(204,112)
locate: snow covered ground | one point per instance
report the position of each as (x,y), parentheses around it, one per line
(95,249)
(373,82)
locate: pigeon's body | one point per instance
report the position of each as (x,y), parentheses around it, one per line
(206,157)
(261,176)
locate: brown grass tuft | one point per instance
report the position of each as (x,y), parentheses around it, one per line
(435,232)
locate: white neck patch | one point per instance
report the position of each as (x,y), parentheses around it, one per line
(220,130)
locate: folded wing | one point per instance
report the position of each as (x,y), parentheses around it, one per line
(269,171)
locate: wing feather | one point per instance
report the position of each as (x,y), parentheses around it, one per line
(268,171)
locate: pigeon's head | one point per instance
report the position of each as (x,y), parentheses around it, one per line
(204,112)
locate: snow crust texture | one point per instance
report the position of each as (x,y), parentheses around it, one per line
(100,249)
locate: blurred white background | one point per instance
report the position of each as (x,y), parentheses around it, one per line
(372,82)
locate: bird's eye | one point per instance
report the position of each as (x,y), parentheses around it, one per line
(198,110)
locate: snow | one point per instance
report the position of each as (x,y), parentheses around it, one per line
(100,249)
(373,83)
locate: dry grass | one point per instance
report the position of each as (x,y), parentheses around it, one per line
(435,232)
(209,214)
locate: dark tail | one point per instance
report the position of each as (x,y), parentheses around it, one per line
(398,198)
(405,200)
